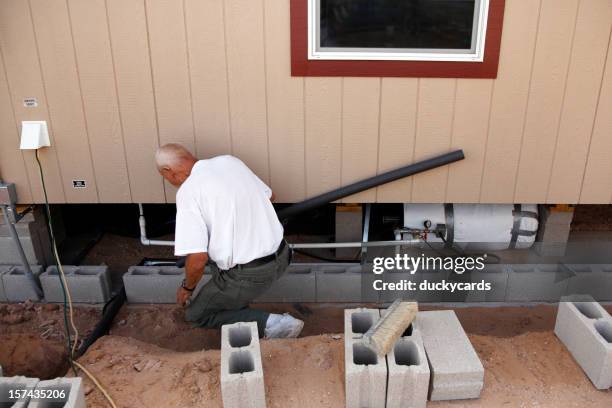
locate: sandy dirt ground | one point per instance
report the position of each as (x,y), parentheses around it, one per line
(152,358)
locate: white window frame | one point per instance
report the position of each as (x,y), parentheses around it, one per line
(383,54)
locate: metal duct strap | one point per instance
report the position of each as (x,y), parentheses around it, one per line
(518,215)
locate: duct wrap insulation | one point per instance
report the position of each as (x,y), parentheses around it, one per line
(477,226)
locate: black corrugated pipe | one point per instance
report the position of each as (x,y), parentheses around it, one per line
(371,182)
(108,315)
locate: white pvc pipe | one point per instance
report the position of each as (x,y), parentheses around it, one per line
(146,241)
(143,232)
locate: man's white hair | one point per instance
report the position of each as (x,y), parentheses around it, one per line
(171,154)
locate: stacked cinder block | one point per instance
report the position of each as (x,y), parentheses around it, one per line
(348,282)
(17,287)
(297,284)
(585,328)
(61,392)
(8,388)
(456,370)
(365,372)
(595,279)
(32,231)
(535,282)
(408,378)
(87,284)
(242,380)
(497,276)
(156,284)
(553,234)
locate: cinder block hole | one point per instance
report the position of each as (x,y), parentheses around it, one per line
(548,268)
(605,329)
(86,272)
(607,269)
(363,355)
(522,269)
(406,353)
(144,271)
(299,271)
(581,268)
(5,400)
(170,272)
(361,322)
(408,331)
(239,336)
(17,270)
(241,362)
(55,402)
(334,271)
(355,269)
(590,310)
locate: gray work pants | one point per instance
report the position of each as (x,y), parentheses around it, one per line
(226,297)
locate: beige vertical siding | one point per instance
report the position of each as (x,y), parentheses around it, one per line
(545,99)
(436,107)
(12,165)
(208,68)
(360,118)
(116,78)
(64,97)
(398,113)
(132,66)
(285,102)
(22,67)
(323,132)
(470,127)
(244,30)
(584,78)
(508,105)
(97,80)
(596,186)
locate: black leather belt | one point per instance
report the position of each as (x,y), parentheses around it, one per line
(265,259)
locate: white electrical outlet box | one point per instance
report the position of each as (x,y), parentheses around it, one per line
(34,134)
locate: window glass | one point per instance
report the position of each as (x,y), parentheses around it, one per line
(398,24)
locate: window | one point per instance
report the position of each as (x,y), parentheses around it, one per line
(432,38)
(421,30)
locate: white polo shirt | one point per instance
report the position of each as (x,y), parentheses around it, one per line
(224,209)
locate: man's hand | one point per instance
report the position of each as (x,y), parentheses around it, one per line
(182,296)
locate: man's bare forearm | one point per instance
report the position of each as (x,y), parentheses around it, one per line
(194,268)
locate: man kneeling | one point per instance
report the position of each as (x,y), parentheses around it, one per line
(225,217)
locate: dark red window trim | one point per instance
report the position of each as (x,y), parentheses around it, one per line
(302,66)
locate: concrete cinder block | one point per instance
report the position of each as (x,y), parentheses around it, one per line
(554,232)
(456,370)
(497,276)
(8,387)
(532,282)
(17,287)
(348,282)
(10,254)
(297,284)
(63,393)
(242,379)
(156,284)
(594,280)
(87,284)
(365,372)
(585,328)
(3,269)
(408,382)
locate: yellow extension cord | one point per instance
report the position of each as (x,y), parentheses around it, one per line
(69,301)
